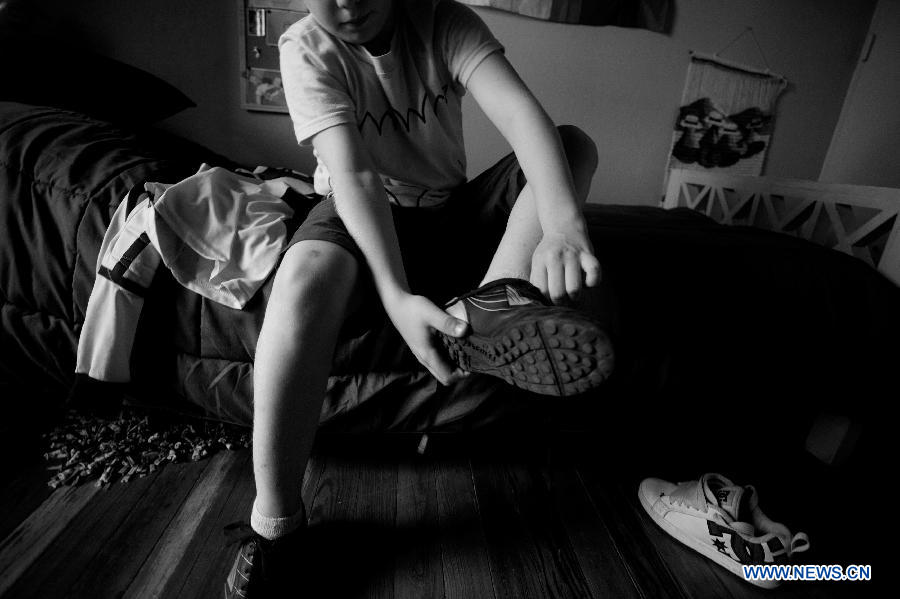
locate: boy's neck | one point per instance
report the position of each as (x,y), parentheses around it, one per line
(378,47)
(381,43)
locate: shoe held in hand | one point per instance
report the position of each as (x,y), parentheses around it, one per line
(520,337)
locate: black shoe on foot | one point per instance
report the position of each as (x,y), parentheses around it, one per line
(520,337)
(263,568)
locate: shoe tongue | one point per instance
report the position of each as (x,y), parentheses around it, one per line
(485,306)
(521,296)
(503,294)
(727,496)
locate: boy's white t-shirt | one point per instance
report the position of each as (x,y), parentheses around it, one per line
(406,103)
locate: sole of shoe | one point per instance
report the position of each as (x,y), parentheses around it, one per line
(551,352)
(700,547)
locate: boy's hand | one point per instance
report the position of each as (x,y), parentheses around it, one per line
(558,263)
(416,318)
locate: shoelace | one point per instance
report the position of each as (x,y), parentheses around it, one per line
(799,543)
(685,503)
(679,497)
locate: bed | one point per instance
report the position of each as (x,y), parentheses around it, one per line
(712,323)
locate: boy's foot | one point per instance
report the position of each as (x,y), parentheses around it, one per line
(520,337)
(721,521)
(263,568)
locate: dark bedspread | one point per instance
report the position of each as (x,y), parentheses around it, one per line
(723,320)
(61,176)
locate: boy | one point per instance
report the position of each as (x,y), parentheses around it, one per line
(376,86)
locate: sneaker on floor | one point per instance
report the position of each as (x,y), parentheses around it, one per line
(263,568)
(722,521)
(520,337)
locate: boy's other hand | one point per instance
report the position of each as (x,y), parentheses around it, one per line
(562,264)
(416,318)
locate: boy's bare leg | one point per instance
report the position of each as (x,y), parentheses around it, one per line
(293,359)
(512,259)
(516,335)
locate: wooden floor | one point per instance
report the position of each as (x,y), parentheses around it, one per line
(471,518)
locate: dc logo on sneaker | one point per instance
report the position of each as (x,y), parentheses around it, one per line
(729,543)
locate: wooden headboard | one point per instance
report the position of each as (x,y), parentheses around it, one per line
(858,220)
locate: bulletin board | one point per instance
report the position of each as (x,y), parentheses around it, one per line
(262,23)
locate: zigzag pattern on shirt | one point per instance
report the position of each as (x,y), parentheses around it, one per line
(399,119)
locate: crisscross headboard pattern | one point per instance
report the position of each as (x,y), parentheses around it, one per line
(858,220)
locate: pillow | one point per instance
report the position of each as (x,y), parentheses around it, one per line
(40,68)
(52,74)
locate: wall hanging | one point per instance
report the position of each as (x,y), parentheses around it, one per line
(726,117)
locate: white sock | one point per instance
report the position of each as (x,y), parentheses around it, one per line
(269,527)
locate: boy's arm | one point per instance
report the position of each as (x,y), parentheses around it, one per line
(565,251)
(363,206)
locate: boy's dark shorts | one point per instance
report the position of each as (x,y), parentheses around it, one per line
(445,250)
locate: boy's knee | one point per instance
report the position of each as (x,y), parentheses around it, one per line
(317,267)
(580,149)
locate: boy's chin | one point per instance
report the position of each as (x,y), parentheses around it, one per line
(372,32)
(356,38)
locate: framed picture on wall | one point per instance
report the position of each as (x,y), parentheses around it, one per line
(262,23)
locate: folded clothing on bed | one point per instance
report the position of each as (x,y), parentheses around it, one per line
(219,233)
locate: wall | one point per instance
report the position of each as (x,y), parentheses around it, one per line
(622,86)
(865,149)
